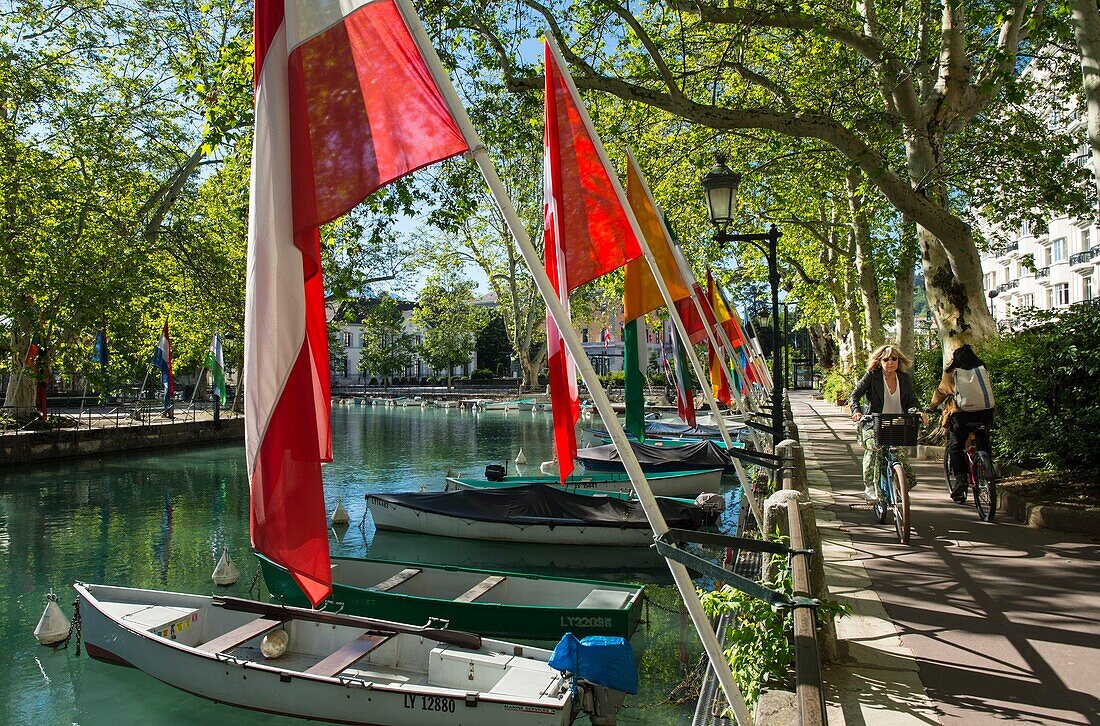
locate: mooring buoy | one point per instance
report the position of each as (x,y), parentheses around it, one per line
(520,458)
(226,573)
(53,626)
(340,515)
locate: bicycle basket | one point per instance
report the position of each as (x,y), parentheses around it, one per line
(897,429)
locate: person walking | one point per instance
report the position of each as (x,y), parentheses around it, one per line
(888,389)
(967,399)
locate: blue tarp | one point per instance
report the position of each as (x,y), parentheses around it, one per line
(600,659)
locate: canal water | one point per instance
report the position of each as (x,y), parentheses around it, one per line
(160,521)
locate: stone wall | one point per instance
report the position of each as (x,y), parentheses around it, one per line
(33,446)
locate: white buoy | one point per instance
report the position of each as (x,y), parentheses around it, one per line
(340,515)
(274,644)
(549,468)
(520,458)
(226,573)
(53,626)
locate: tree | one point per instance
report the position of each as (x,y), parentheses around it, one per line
(929,107)
(449,319)
(387,349)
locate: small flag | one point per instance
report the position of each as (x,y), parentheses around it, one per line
(216,363)
(162,360)
(635,363)
(99,349)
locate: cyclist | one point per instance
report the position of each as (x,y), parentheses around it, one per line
(888,390)
(959,422)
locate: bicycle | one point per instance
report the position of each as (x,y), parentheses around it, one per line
(981,476)
(893,431)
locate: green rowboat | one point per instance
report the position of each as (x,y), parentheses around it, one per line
(484,601)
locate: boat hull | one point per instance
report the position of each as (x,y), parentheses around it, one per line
(532,620)
(393,517)
(268,688)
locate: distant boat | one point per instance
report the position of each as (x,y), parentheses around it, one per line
(698,455)
(528,514)
(335,667)
(489,602)
(662,484)
(521,404)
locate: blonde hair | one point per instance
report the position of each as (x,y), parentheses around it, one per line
(885,351)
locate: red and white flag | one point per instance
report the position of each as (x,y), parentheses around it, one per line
(345,104)
(587,234)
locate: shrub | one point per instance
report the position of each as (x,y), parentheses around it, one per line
(373,381)
(1044,379)
(613,378)
(838,384)
(481,374)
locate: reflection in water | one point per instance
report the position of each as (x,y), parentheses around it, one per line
(161,520)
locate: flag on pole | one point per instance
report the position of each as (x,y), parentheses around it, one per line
(722,312)
(635,364)
(718,384)
(344,104)
(216,363)
(162,360)
(641,294)
(685,396)
(100,354)
(587,234)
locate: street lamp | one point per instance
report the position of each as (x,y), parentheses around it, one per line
(992,309)
(720,185)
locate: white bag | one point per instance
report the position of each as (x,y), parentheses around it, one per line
(972,389)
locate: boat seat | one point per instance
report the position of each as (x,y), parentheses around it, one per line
(480,589)
(397,579)
(333,664)
(606,599)
(239,636)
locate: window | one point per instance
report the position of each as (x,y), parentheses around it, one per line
(1061,294)
(1047,255)
(347,340)
(1050,298)
(1058,250)
(1025,229)
(990,280)
(1027,301)
(1086,239)
(1086,288)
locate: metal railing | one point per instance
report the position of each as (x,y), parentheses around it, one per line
(1083,257)
(147,412)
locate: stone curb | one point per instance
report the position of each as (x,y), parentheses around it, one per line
(1046,516)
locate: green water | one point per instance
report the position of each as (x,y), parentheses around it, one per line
(160,521)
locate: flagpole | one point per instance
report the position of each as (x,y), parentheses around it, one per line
(646,499)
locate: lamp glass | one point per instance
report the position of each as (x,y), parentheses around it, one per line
(720,185)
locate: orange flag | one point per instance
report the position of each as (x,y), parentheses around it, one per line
(641,294)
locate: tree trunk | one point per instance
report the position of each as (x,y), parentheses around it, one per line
(19,393)
(865,264)
(903,290)
(952,268)
(1086,30)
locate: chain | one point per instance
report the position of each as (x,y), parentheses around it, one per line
(252,585)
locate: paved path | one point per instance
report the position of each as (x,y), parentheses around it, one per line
(1002,621)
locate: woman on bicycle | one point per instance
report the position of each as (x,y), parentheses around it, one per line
(958,422)
(888,390)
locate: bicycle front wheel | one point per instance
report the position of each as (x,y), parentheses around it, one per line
(985,487)
(901,504)
(948,477)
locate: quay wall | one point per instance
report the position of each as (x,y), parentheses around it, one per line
(29,447)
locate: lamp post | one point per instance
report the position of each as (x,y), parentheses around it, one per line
(720,185)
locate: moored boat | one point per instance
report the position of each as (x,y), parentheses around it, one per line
(662,484)
(530,514)
(698,455)
(334,667)
(488,602)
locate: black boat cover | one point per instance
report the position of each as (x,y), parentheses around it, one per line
(702,455)
(539,504)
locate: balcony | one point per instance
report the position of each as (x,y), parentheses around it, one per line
(1042,272)
(1006,286)
(1008,248)
(1083,257)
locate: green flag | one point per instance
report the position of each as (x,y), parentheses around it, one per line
(216,364)
(635,362)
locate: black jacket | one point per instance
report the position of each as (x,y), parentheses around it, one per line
(873,387)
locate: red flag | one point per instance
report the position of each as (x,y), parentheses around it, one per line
(587,234)
(718,383)
(345,104)
(693,324)
(685,396)
(722,313)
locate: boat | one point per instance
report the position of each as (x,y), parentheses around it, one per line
(528,514)
(488,602)
(335,667)
(698,455)
(662,484)
(523,404)
(620,564)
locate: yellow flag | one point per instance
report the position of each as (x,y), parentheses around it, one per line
(641,292)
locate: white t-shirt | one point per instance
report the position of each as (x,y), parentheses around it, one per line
(891,402)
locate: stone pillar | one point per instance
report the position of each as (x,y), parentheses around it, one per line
(791,455)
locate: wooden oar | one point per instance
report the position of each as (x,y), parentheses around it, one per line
(453,637)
